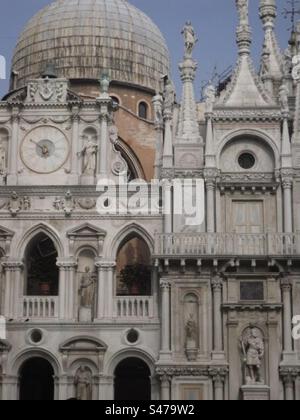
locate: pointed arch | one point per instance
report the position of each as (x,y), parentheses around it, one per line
(130,230)
(36,230)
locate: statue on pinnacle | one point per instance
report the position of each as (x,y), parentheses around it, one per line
(190,39)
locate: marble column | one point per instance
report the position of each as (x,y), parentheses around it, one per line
(165,388)
(168,141)
(13,149)
(76,146)
(159,126)
(168,208)
(165,318)
(289,376)
(67,289)
(287,184)
(210,205)
(217,284)
(286,288)
(13,305)
(105,290)
(101,289)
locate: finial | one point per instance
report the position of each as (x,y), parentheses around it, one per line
(268,13)
(190,39)
(243,31)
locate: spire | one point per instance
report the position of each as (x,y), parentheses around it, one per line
(274,66)
(245,89)
(188,128)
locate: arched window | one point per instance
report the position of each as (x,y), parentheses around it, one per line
(143,110)
(134,268)
(36,380)
(115,100)
(42,273)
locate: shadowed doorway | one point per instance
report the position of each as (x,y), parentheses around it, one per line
(36,380)
(132,381)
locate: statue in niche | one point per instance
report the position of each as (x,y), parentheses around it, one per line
(84,384)
(253,350)
(190,38)
(3,165)
(191,333)
(243,9)
(89,154)
(87,289)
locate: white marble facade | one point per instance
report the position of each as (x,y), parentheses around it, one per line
(216,322)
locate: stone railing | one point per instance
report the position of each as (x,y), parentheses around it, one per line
(40,307)
(133,307)
(227,244)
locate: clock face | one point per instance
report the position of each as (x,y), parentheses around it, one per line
(44,150)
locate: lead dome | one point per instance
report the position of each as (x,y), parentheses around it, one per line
(84,38)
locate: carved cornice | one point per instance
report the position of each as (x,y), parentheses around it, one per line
(247,115)
(215,372)
(252,307)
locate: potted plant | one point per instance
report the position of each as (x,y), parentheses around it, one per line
(137,279)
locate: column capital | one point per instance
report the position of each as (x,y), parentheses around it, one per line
(289,374)
(217,283)
(12,265)
(218,374)
(165,284)
(165,374)
(67,264)
(105,265)
(286,284)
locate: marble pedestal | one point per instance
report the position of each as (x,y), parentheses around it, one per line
(256,393)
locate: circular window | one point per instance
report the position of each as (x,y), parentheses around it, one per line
(36,336)
(246,160)
(115,100)
(132,336)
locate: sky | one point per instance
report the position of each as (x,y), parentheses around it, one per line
(214,21)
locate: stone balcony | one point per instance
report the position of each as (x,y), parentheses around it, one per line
(200,245)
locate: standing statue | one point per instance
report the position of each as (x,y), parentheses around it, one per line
(190,38)
(191,333)
(169,96)
(89,153)
(265,61)
(287,61)
(87,289)
(210,97)
(284,97)
(243,10)
(104,83)
(2,158)
(83,383)
(253,349)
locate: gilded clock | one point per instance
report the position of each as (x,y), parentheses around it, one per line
(45,150)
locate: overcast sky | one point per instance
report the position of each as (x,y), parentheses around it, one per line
(214,21)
